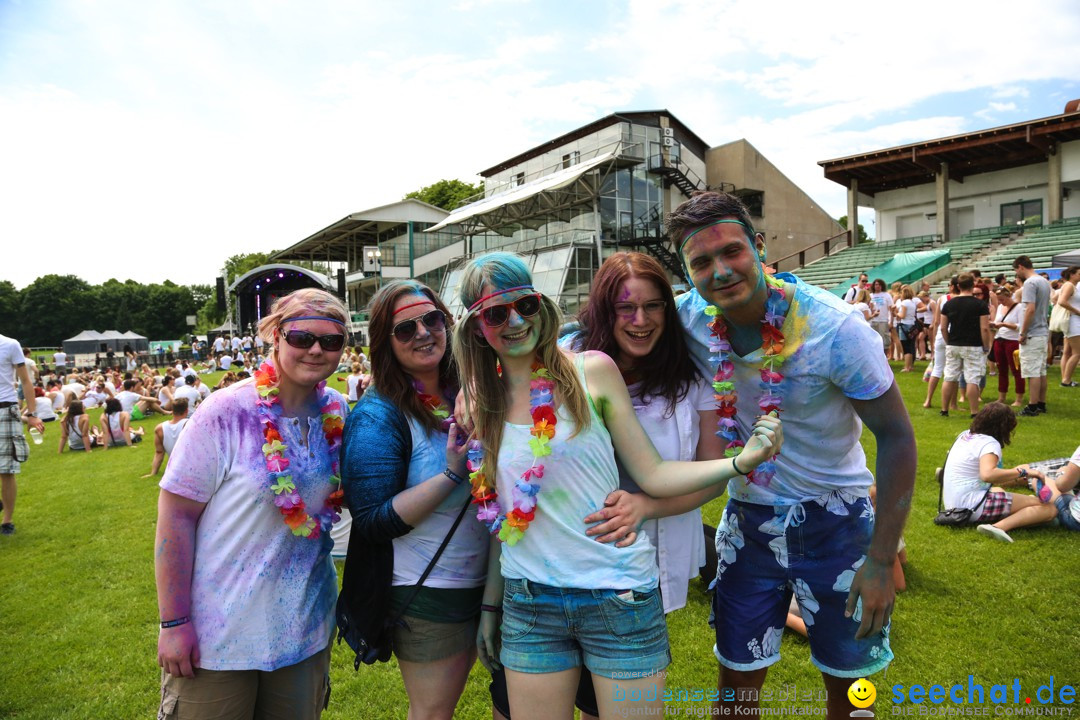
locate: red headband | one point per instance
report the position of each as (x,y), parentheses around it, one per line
(497,293)
(425,301)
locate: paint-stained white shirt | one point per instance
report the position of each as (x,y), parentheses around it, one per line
(831,355)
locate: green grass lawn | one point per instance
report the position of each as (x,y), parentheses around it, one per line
(78,614)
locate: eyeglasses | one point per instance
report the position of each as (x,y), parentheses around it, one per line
(303,339)
(405,330)
(497,315)
(629,310)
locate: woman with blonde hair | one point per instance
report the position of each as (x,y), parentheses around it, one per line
(245,583)
(548,425)
(1070,300)
(864,304)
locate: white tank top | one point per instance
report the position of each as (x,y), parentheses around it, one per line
(170,432)
(578,475)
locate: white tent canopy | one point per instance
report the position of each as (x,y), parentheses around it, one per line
(1065,259)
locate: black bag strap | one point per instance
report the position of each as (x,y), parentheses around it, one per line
(431,565)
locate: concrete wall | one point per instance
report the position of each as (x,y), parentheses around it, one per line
(903,213)
(791,219)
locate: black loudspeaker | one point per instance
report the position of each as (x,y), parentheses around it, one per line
(341,284)
(221,294)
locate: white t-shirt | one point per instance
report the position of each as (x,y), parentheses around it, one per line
(1074,504)
(93,398)
(911,309)
(11,356)
(204,390)
(127,399)
(863,310)
(679,542)
(352,382)
(963,488)
(1009,315)
(170,433)
(59,359)
(464,562)
(31,366)
(882,301)
(43,408)
(261,597)
(219,344)
(235,343)
(192,395)
(225,361)
(831,357)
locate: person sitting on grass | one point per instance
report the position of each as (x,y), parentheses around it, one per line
(1057,501)
(972,478)
(116,426)
(132,400)
(75,431)
(166,433)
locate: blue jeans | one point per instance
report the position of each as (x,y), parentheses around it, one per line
(615,634)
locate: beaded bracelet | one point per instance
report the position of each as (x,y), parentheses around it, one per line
(175,623)
(491,608)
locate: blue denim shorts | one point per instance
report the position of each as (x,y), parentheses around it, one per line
(765,555)
(615,634)
(1064,515)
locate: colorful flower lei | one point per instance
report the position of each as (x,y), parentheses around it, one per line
(510,527)
(772,344)
(286,496)
(438,407)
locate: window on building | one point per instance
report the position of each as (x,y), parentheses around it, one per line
(517,179)
(571,158)
(1028,211)
(754,200)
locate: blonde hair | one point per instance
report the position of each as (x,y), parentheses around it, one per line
(863,296)
(907,293)
(306,301)
(484,390)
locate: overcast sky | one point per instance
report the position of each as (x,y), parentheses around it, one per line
(151,140)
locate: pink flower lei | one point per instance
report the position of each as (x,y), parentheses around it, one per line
(510,527)
(772,345)
(286,497)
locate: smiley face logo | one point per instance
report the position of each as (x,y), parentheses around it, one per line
(862,693)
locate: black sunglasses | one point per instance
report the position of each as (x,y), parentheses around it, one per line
(496,315)
(405,330)
(303,339)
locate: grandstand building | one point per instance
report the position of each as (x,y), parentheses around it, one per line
(974,200)
(566,205)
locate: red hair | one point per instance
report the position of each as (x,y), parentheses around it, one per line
(668,370)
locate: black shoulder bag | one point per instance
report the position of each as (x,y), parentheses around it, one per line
(953,517)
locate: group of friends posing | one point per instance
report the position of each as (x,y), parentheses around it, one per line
(527,492)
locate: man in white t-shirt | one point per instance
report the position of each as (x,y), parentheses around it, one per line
(167,433)
(853,291)
(12,370)
(235,344)
(219,344)
(60,360)
(188,392)
(834,379)
(225,361)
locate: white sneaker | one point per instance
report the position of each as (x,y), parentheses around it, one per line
(994,532)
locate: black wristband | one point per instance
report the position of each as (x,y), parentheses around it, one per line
(453,476)
(736,467)
(175,623)
(491,608)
